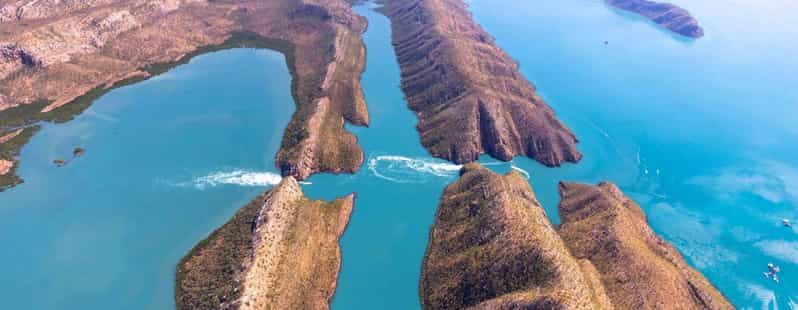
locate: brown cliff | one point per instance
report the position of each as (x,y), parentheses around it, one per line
(467,92)
(492,247)
(279,252)
(639,269)
(58,56)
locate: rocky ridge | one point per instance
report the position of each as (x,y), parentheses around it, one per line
(493,247)
(467,92)
(279,252)
(639,269)
(56,54)
(667,15)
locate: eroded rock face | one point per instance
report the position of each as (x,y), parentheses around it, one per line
(5,166)
(639,269)
(492,247)
(667,15)
(279,252)
(467,92)
(75,47)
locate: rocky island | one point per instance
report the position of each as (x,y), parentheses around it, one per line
(667,15)
(56,57)
(279,252)
(468,94)
(492,247)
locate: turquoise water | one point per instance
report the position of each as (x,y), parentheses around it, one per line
(164,162)
(698,132)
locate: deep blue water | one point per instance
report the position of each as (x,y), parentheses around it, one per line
(698,132)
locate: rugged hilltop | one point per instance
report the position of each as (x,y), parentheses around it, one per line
(667,15)
(56,57)
(279,252)
(492,247)
(637,267)
(467,92)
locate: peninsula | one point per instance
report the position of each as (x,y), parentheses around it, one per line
(56,57)
(492,246)
(467,92)
(667,15)
(639,269)
(279,252)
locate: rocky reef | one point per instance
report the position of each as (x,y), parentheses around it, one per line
(467,92)
(279,252)
(639,269)
(667,15)
(58,56)
(492,247)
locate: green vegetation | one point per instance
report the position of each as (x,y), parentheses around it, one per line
(10,150)
(28,115)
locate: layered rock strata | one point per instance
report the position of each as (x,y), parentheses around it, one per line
(57,56)
(492,247)
(467,92)
(279,252)
(638,269)
(667,15)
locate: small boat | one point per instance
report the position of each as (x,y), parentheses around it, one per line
(786,223)
(772,272)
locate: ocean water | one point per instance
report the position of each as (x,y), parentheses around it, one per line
(167,161)
(697,132)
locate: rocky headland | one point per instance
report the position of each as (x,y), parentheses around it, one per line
(667,15)
(56,57)
(280,251)
(493,247)
(639,269)
(467,92)
(10,143)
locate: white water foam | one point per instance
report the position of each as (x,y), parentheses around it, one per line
(402,169)
(235,177)
(522,171)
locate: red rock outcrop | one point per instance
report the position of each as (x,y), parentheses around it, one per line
(467,92)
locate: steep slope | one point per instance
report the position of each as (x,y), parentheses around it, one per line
(279,252)
(639,269)
(56,57)
(667,15)
(467,92)
(493,247)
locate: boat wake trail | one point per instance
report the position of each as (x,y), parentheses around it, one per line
(402,169)
(235,177)
(522,171)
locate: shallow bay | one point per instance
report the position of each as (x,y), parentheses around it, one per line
(164,163)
